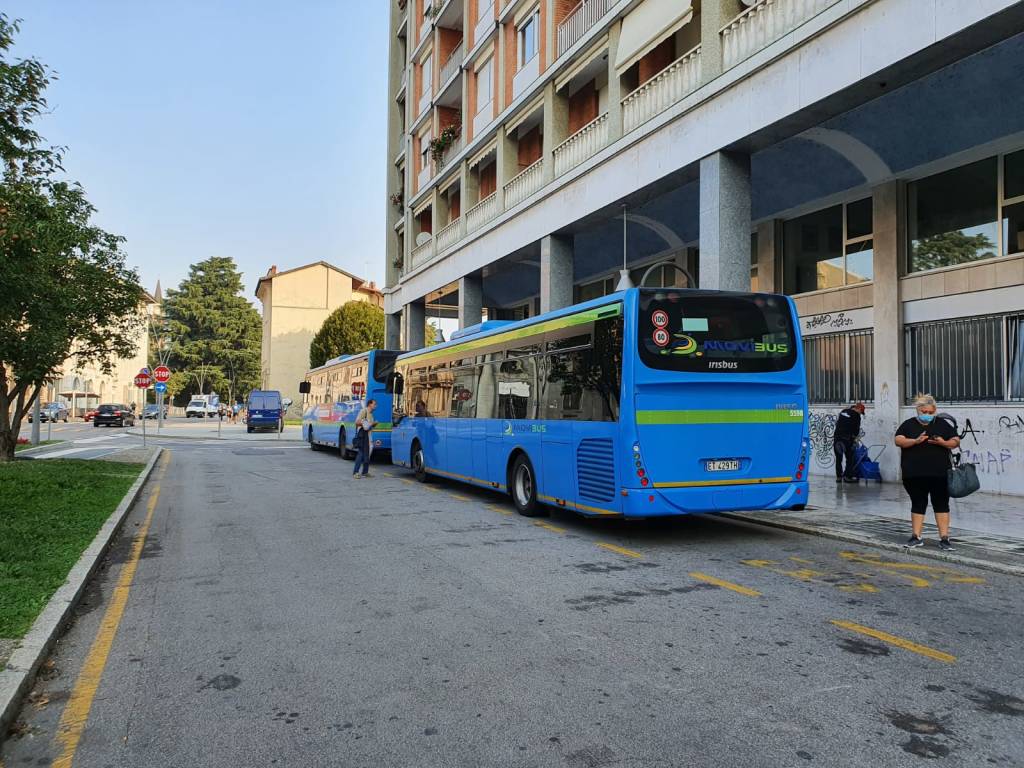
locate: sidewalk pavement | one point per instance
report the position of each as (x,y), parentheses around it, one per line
(986,529)
(206,429)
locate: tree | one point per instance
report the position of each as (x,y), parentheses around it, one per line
(67,292)
(951,248)
(216,333)
(354,327)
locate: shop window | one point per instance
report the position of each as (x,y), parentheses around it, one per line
(952,216)
(1012,203)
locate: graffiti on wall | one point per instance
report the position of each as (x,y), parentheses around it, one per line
(822,428)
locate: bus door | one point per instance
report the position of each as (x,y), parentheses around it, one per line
(720,397)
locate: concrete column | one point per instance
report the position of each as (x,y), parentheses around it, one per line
(556,127)
(889,225)
(725,222)
(471,299)
(615,94)
(414,317)
(393,331)
(556,272)
(470,187)
(769,256)
(714,14)
(507,163)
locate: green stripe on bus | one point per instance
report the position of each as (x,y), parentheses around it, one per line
(780,416)
(580,318)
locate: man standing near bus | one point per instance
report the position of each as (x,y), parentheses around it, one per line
(363,440)
(846,434)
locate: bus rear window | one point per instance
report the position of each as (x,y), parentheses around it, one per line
(691,331)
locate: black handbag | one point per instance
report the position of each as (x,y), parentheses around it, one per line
(962,478)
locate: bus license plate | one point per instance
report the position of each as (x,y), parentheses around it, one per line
(722,465)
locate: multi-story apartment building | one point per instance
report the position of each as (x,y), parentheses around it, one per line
(864,156)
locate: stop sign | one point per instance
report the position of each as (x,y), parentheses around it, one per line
(162,373)
(143,380)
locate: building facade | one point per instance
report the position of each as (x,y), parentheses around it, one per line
(863,156)
(295,304)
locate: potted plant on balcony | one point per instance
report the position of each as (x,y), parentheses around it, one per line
(444,140)
(399,262)
(397,198)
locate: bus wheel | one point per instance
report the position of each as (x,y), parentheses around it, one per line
(312,444)
(419,463)
(343,449)
(523,487)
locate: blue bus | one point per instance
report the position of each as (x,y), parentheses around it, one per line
(645,402)
(335,393)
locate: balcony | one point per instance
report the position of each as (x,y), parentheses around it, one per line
(450,152)
(425,99)
(585,143)
(579,21)
(761,25)
(483,118)
(481,213)
(450,235)
(452,65)
(484,25)
(669,86)
(424,176)
(421,254)
(524,184)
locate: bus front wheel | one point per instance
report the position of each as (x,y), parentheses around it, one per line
(312,443)
(523,487)
(419,463)
(343,449)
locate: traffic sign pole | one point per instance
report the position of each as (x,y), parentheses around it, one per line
(161,374)
(142,381)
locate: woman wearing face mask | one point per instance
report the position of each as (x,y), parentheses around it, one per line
(925,443)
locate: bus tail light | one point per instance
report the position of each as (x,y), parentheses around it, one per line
(802,464)
(638,464)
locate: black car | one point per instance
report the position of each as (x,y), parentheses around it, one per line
(114,414)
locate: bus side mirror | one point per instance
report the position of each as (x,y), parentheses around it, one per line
(395,384)
(303,387)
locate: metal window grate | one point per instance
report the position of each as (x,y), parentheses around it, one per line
(1015,357)
(956,360)
(840,367)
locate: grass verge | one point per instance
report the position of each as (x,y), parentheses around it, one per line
(49,513)
(293,422)
(26,446)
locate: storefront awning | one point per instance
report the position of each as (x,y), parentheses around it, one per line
(646,26)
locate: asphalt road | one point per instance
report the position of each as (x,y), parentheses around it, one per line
(282,614)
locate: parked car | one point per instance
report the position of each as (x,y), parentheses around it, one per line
(198,407)
(90,414)
(51,412)
(152,411)
(114,414)
(264,410)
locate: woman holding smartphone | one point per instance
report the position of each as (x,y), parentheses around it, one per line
(925,443)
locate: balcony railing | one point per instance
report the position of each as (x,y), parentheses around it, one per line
(662,91)
(586,142)
(449,154)
(452,64)
(580,19)
(421,254)
(450,235)
(481,213)
(424,176)
(763,24)
(524,183)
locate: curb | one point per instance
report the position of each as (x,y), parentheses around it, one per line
(23,451)
(851,538)
(153,436)
(18,676)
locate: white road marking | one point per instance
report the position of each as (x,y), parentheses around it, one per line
(100,439)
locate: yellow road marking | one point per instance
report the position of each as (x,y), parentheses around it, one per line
(459,498)
(549,526)
(892,566)
(725,584)
(808,574)
(620,550)
(865,587)
(76,713)
(899,642)
(499,510)
(389,474)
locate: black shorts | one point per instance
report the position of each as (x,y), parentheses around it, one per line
(920,488)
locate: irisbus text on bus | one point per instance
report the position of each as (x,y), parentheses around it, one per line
(649,401)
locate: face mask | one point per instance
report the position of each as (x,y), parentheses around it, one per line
(925,418)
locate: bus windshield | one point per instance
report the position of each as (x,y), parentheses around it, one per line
(693,331)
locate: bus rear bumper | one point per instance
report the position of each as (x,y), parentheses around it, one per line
(642,502)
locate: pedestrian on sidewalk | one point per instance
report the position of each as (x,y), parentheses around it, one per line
(925,444)
(844,439)
(363,440)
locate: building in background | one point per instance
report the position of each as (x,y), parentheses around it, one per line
(295,304)
(864,156)
(83,386)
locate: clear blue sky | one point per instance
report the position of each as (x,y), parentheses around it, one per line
(254,129)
